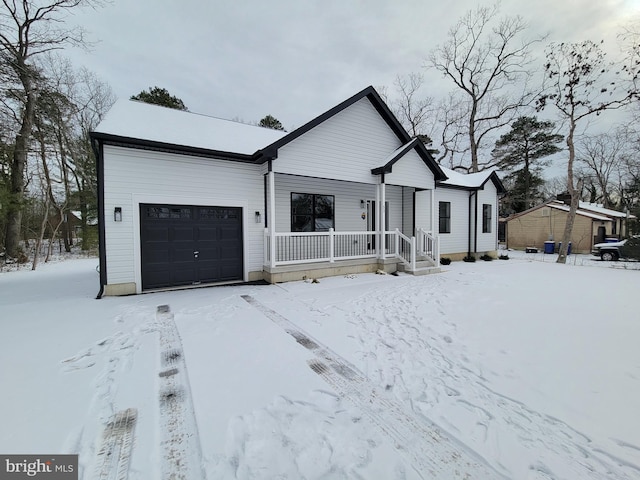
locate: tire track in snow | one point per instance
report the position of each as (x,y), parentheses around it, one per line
(112,461)
(179,438)
(420,441)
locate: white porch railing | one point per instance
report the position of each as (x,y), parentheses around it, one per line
(428,246)
(313,247)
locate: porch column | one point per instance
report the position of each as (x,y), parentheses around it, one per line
(272,218)
(382,216)
(433,212)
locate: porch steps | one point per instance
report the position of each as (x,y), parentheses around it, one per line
(423,267)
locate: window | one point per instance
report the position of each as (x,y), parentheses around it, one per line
(168,212)
(311,212)
(486,218)
(445,217)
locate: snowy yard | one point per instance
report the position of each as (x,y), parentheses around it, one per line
(520,369)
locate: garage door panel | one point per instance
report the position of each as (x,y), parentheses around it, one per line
(229,272)
(158,255)
(182,255)
(230,251)
(170,234)
(183,233)
(182,275)
(207,234)
(229,233)
(156,233)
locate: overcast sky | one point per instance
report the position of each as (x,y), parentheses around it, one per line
(294,59)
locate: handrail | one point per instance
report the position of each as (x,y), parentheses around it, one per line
(311,247)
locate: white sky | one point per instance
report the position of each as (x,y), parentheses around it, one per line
(295,59)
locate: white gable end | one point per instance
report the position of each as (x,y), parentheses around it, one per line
(344,147)
(410,171)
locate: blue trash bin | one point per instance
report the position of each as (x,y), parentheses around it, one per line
(548,247)
(560,246)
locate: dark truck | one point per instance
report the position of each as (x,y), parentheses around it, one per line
(628,249)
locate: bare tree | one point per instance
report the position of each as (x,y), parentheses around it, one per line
(602,156)
(450,117)
(27,30)
(486,58)
(582,84)
(415,111)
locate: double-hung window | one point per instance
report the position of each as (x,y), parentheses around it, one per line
(444,217)
(311,212)
(486,218)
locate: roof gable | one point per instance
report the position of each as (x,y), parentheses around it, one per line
(369,93)
(472,181)
(420,149)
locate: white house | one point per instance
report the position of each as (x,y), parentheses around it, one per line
(468,203)
(186,199)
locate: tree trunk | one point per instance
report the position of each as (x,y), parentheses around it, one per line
(575,197)
(43,227)
(14,215)
(472,137)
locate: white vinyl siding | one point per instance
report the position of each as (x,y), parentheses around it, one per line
(407,211)
(347,207)
(410,171)
(423,210)
(134,176)
(344,147)
(457,240)
(488,242)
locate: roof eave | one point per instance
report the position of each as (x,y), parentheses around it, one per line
(136,143)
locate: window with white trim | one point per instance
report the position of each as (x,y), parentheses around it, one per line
(311,212)
(486,217)
(444,217)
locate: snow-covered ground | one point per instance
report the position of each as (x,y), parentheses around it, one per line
(520,369)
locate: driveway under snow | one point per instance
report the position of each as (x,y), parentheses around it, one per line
(519,369)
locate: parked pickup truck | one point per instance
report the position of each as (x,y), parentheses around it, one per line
(626,249)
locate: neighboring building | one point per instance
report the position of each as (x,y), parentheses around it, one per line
(186,199)
(546,222)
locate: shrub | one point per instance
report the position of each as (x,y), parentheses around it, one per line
(504,257)
(445,261)
(486,258)
(469,258)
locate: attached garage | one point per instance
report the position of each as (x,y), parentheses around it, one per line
(183,245)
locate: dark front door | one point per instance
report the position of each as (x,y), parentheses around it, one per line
(189,245)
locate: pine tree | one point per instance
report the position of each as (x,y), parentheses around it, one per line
(271,122)
(160,96)
(521,151)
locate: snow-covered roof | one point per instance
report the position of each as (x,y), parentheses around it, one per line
(467,180)
(143,121)
(581,212)
(598,208)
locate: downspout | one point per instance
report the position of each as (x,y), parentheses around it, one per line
(98,151)
(475,223)
(382,211)
(272,205)
(471,195)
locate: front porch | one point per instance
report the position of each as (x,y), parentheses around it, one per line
(293,256)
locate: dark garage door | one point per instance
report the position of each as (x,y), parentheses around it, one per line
(190,245)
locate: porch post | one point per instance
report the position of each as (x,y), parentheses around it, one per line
(383,211)
(331,246)
(272,218)
(433,211)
